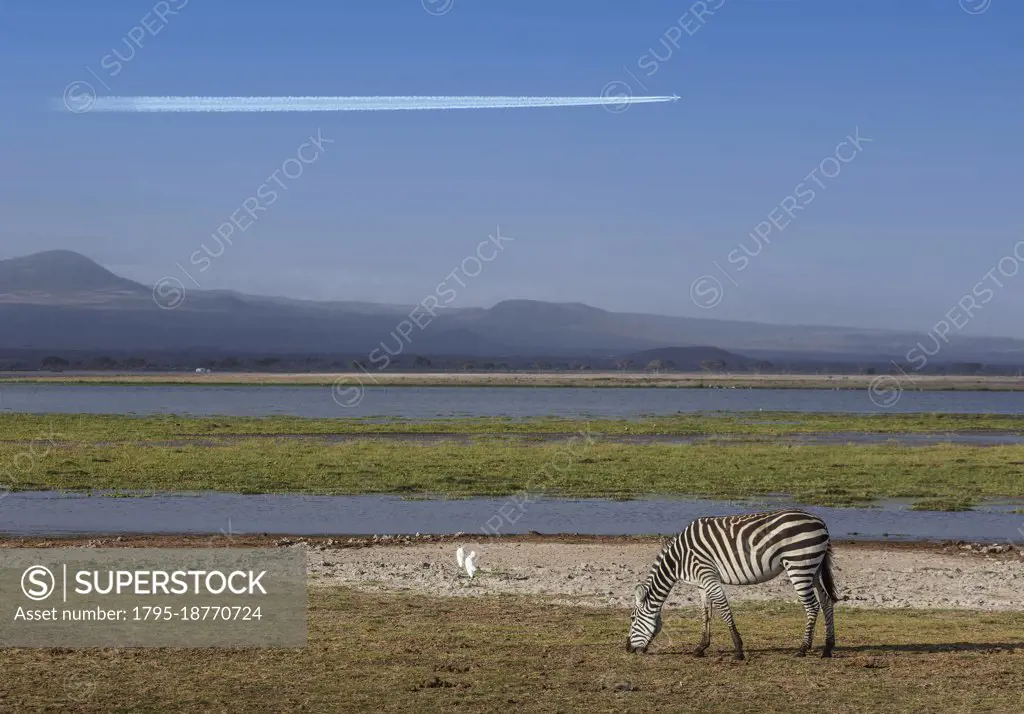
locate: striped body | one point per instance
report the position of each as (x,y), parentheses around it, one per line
(740,550)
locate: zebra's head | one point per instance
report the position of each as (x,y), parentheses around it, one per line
(644,623)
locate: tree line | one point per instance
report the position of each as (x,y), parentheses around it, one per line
(340,363)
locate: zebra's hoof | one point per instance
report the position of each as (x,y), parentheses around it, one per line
(800,653)
(738,656)
(826,654)
(699,652)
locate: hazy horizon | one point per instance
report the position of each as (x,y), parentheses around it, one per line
(505,299)
(621,210)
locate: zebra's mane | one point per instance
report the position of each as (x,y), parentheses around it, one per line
(660,567)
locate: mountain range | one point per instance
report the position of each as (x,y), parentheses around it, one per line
(61,300)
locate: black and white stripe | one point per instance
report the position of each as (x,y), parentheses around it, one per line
(740,550)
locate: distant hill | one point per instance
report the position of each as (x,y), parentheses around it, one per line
(62,276)
(60,300)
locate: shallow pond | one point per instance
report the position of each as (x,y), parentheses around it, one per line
(51,513)
(432,402)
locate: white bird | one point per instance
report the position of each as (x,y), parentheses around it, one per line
(460,555)
(470,565)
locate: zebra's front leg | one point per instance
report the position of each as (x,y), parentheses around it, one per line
(705,632)
(716,594)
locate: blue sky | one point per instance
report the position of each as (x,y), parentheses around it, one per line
(622,210)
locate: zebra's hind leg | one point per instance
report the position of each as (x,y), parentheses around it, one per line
(803,579)
(705,632)
(830,625)
(716,594)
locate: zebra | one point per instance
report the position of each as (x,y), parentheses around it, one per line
(740,550)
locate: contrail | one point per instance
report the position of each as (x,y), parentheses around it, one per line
(353,104)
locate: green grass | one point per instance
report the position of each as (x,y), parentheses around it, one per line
(831,475)
(253,455)
(947,503)
(91,428)
(404,653)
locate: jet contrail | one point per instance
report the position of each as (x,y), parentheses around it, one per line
(352,104)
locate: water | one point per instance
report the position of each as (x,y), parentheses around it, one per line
(807,439)
(53,514)
(852,437)
(43,513)
(432,402)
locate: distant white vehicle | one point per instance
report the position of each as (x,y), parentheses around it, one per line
(202,370)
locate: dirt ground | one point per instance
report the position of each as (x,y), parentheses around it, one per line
(604,574)
(601,571)
(540,379)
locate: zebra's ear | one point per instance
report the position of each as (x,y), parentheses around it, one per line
(640,594)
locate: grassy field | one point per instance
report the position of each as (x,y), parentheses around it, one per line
(493,457)
(539,379)
(411,653)
(940,477)
(126,429)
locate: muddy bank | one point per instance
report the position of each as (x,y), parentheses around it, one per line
(603,574)
(597,378)
(264,540)
(600,571)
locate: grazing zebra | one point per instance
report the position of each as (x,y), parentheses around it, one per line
(740,550)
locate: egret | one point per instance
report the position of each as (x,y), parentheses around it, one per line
(470,565)
(460,555)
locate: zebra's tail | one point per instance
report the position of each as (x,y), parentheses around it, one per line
(827,581)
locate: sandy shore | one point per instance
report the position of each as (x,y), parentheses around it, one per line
(536,379)
(601,571)
(605,574)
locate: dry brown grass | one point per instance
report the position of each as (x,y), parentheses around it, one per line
(406,653)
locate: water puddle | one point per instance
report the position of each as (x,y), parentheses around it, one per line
(810,438)
(53,513)
(434,402)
